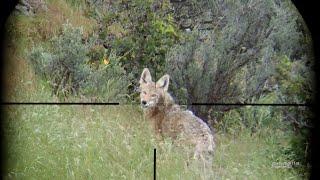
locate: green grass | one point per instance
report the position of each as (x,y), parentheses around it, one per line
(112,142)
(77,142)
(115,142)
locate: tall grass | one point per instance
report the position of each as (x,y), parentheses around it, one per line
(116,142)
(113,142)
(77,142)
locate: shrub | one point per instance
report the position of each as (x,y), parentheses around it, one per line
(237,61)
(40,61)
(296,85)
(140,32)
(65,62)
(256,53)
(67,66)
(109,82)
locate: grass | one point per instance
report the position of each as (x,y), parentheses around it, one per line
(110,142)
(77,142)
(115,142)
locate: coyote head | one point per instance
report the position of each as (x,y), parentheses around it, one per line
(152,94)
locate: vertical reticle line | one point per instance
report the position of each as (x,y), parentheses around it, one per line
(154,163)
(156,78)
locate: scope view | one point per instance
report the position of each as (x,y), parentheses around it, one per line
(221,90)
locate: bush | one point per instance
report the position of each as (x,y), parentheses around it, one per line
(257,52)
(140,32)
(67,66)
(64,64)
(296,86)
(237,60)
(109,82)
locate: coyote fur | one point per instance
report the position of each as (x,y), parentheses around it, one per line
(169,120)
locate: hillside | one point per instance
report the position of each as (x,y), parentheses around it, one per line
(77,51)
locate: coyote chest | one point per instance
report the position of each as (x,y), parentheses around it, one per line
(169,120)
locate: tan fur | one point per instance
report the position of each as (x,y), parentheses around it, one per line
(169,120)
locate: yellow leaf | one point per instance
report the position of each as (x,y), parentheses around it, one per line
(106,61)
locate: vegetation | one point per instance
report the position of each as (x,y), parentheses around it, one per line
(245,59)
(140,32)
(94,51)
(114,142)
(70,71)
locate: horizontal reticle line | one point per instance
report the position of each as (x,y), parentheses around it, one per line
(56,103)
(249,104)
(193,104)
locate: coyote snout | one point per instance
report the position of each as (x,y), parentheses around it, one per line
(169,120)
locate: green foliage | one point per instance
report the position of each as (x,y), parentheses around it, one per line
(68,67)
(108,82)
(141,32)
(238,60)
(295,81)
(95,54)
(64,64)
(296,86)
(291,145)
(257,52)
(253,118)
(116,143)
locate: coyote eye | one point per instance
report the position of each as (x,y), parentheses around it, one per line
(143,92)
(154,95)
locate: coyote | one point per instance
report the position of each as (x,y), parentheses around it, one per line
(169,120)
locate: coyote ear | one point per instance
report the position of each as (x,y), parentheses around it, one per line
(163,82)
(145,76)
